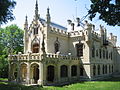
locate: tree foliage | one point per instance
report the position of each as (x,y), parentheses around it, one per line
(6,12)
(109,11)
(11,41)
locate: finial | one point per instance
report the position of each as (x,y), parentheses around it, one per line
(26,21)
(48,10)
(48,16)
(36,10)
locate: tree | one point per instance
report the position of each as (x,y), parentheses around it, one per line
(6,7)
(108,10)
(11,41)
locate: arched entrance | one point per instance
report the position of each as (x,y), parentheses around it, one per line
(14,71)
(50,73)
(23,71)
(35,73)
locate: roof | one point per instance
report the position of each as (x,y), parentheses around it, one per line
(53,24)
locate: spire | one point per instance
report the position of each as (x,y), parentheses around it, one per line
(26,23)
(48,16)
(36,11)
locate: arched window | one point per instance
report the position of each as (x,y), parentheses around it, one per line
(63,71)
(98,69)
(35,48)
(74,70)
(79,49)
(94,70)
(93,51)
(81,71)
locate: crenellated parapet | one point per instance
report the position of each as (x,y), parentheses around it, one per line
(58,31)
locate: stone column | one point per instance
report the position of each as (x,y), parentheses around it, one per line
(69,73)
(58,74)
(78,72)
(9,72)
(28,73)
(40,81)
(18,73)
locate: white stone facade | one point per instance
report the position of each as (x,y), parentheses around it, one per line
(54,54)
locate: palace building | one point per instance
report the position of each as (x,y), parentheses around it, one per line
(56,55)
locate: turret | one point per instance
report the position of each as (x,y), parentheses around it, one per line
(113,39)
(25,34)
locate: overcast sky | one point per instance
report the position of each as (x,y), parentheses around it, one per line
(60,11)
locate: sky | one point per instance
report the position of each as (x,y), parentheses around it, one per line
(60,11)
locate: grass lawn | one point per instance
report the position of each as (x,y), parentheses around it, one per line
(111,84)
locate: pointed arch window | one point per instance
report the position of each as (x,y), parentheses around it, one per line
(79,49)
(63,71)
(35,48)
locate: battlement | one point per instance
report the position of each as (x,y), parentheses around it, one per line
(76,33)
(58,31)
(95,35)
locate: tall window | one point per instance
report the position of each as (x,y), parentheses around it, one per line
(103,54)
(93,51)
(106,54)
(35,48)
(98,69)
(103,69)
(63,71)
(35,30)
(74,70)
(109,69)
(94,70)
(79,48)
(97,53)
(100,53)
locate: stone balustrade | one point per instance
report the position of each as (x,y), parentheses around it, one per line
(33,56)
(37,56)
(60,56)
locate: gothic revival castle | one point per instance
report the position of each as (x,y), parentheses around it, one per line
(54,54)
